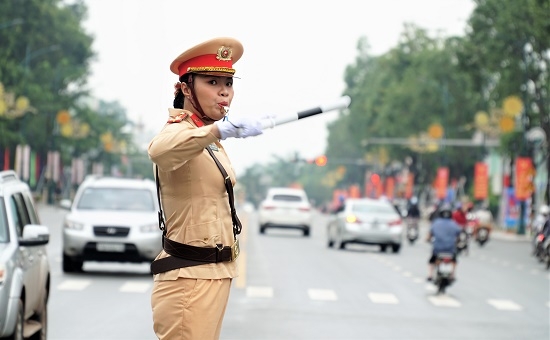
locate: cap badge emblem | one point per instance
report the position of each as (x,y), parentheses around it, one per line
(224,53)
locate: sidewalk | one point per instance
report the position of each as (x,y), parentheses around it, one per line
(510,235)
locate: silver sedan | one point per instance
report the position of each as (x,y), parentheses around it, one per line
(366,221)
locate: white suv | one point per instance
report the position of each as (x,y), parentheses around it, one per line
(111,219)
(285,208)
(24,264)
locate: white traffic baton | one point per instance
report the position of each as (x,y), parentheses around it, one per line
(342,103)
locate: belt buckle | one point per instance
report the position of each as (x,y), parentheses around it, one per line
(235,250)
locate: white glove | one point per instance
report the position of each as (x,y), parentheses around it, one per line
(239,127)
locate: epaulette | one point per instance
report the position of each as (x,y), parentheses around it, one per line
(178,119)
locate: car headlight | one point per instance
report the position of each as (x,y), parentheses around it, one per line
(68,224)
(149,228)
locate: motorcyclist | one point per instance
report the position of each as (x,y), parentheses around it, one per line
(413,211)
(542,217)
(443,234)
(459,215)
(538,226)
(484,218)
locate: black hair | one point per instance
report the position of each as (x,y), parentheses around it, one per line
(178,99)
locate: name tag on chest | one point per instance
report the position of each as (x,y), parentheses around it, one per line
(213,147)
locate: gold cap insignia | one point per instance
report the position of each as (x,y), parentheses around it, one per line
(224,53)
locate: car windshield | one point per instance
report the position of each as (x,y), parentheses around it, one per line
(372,208)
(4,235)
(287,198)
(116,199)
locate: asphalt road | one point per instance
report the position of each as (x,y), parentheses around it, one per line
(295,287)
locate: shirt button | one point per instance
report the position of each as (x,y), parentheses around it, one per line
(206,239)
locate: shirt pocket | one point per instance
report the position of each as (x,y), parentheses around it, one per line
(204,235)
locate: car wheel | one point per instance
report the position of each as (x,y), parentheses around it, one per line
(71,265)
(339,242)
(383,248)
(19,322)
(330,243)
(395,248)
(306,231)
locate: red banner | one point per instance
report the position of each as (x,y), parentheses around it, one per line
(354,191)
(524,178)
(409,186)
(441,182)
(390,187)
(481,181)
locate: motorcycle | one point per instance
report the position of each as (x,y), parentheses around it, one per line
(471,224)
(444,270)
(482,235)
(547,255)
(412,230)
(462,242)
(539,247)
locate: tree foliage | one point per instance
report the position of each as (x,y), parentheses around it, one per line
(506,51)
(45,57)
(399,95)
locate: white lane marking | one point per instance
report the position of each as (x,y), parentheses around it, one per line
(259,292)
(418,280)
(430,287)
(383,298)
(407,274)
(548,304)
(396,268)
(444,301)
(519,267)
(504,304)
(74,284)
(134,287)
(534,272)
(322,294)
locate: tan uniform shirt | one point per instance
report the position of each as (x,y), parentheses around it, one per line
(194,198)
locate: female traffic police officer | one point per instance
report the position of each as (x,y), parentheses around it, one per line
(192,275)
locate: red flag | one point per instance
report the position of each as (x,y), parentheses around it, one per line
(7,159)
(481,181)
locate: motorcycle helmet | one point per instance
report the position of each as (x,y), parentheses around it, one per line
(445,211)
(545,210)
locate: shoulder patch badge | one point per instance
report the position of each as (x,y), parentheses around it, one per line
(213,147)
(178,119)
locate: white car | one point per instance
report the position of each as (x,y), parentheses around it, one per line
(285,208)
(366,221)
(111,220)
(24,264)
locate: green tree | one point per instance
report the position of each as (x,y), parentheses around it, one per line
(45,57)
(399,95)
(506,53)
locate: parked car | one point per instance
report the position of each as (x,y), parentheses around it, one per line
(366,221)
(285,208)
(24,264)
(111,220)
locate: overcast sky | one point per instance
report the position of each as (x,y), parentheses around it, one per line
(295,55)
